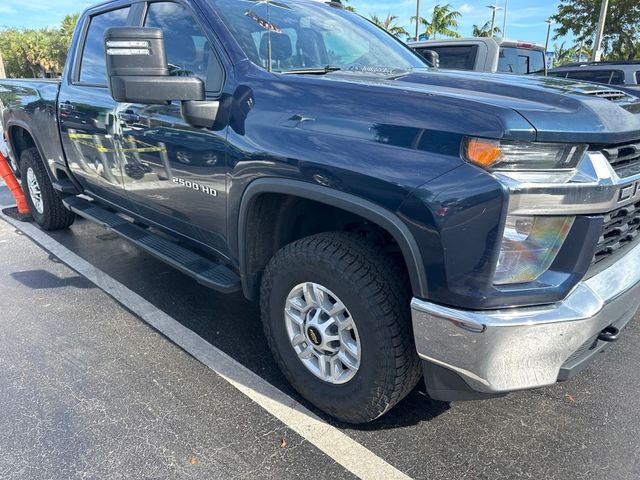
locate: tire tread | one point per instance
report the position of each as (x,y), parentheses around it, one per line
(382,283)
(55,216)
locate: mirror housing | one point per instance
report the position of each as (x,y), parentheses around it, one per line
(138,71)
(432,57)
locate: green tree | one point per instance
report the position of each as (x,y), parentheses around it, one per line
(348,7)
(390,24)
(443,21)
(622,30)
(485,30)
(67,27)
(36,53)
(563,54)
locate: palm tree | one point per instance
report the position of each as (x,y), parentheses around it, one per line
(485,30)
(564,54)
(349,7)
(444,21)
(390,25)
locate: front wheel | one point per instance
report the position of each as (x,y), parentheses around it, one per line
(336,315)
(44,202)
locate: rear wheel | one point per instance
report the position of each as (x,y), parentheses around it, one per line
(44,202)
(336,315)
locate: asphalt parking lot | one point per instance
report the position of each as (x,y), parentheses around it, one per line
(89,390)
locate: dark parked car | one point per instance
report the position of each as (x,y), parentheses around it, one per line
(394,222)
(621,74)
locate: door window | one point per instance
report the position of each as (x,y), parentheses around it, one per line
(188,50)
(93,66)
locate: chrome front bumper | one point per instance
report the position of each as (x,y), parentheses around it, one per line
(500,351)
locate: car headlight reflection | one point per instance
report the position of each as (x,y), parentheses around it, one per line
(529,247)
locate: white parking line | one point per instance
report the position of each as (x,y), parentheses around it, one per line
(339,447)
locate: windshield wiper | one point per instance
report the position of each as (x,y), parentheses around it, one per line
(312,71)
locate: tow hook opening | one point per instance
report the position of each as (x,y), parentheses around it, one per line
(609,334)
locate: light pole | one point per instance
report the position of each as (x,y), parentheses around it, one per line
(600,32)
(504,20)
(494,9)
(417,20)
(546,45)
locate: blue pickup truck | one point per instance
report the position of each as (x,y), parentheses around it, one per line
(395,222)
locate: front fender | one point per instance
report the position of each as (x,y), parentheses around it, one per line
(376,214)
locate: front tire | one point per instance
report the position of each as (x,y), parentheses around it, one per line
(335,299)
(44,202)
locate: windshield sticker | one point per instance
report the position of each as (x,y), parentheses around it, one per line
(262,22)
(373,69)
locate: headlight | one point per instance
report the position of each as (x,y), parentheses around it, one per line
(529,247)
(498,155)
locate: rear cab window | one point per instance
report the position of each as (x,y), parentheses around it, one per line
(93,65)
(521,61)
(455,57)
(608,77)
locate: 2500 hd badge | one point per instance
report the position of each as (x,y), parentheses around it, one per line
(195,186)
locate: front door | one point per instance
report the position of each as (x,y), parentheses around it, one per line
(175,173)
(86,114)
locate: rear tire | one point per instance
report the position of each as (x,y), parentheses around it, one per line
(346,270)
(44,202)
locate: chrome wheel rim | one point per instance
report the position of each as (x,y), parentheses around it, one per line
(183,157)
(323,333)
(34,190)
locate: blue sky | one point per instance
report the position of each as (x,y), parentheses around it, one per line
(526,18)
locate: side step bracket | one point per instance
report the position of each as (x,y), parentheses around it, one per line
(206,272)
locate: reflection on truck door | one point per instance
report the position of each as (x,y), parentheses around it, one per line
(86,112)
(182,184)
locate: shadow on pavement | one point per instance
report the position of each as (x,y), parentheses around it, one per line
(42,279)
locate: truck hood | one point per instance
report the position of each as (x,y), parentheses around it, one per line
(558,110)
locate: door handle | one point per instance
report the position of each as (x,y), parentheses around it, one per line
(129,117)
(67,106)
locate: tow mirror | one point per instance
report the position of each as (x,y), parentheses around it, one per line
(432,57)
(138,71)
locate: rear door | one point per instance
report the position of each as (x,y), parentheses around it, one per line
(181,180)
(86,110)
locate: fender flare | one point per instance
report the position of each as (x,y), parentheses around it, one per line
(11,124)
(376,214)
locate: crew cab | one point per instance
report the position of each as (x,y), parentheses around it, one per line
(395,222)
(486,54)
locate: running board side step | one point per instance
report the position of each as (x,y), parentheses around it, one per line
(206,272)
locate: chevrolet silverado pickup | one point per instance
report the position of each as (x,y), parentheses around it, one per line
(395,222)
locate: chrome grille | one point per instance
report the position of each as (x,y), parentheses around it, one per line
(625,159)
(621,229)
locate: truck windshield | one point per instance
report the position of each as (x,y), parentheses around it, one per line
(294,36)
